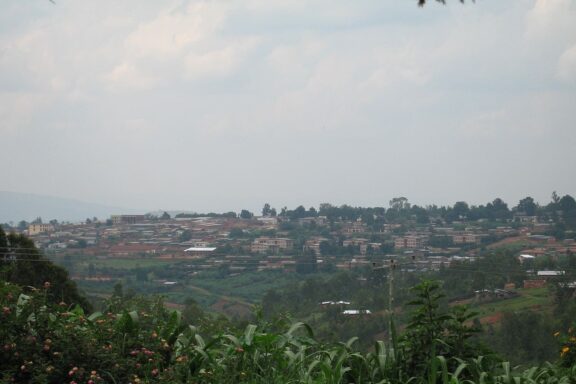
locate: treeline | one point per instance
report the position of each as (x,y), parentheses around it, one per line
(559,209)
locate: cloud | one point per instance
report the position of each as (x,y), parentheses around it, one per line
(218,62)
(18,110)
(128,76)
(567,65)
(551,19)
(318,93)
(174,30)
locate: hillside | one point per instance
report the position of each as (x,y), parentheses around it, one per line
(23,206)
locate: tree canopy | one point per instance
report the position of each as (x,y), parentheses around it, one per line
(22,263)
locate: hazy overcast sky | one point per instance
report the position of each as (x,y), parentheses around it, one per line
(223,105)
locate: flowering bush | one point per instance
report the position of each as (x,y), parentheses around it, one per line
(567,347)
(44,343)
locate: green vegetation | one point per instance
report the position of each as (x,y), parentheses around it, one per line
(538,298)
(47,337)
(22,264)
(140,341)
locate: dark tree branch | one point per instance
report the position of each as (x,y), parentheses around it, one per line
(421,3)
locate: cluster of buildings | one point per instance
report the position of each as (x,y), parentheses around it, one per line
(267,243)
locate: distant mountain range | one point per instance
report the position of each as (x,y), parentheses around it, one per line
(23,206)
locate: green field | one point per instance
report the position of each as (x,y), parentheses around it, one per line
(529,299)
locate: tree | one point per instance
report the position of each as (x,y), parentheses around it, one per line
(555,198)
(312,212)
(192,312)
(266,211)
(399,203)
(527,206)
(141,274)
(236,233)
(567,203)
(421,214)
(568,206)
(3,242)
(498,210)
(185,235)
(421,3)
(165,216)
(23,264)
(298,213)
(306,262)
(91,270)
(461,209)
(245,214)
(433,331)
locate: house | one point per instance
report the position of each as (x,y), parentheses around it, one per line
(34,229)
(356,312)
(373,246)
(127,219)
(410,241)
(329,303)
(271,244)
(355,242)
(525,257)
(528,284)
(549,274)
(355,227)
(200,251)
(314,244)
(466,238)
(132,249)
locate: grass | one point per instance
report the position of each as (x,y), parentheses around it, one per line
(528,299)
(250,286)
(206,288)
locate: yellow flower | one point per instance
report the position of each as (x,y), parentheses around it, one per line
(565,350)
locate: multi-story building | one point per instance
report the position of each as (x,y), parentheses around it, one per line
(314,244)
(127,219)
(34,229)
(466,238)
(355,227)
(354,242)
(410,241)
(271,244)
(374,246)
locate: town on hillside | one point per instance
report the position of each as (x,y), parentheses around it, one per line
(304,240)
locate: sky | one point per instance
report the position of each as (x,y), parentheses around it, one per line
(225,105)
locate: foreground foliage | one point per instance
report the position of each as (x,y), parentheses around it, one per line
(140,341)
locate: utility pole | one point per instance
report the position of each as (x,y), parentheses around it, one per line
(391,268)
(391,299)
